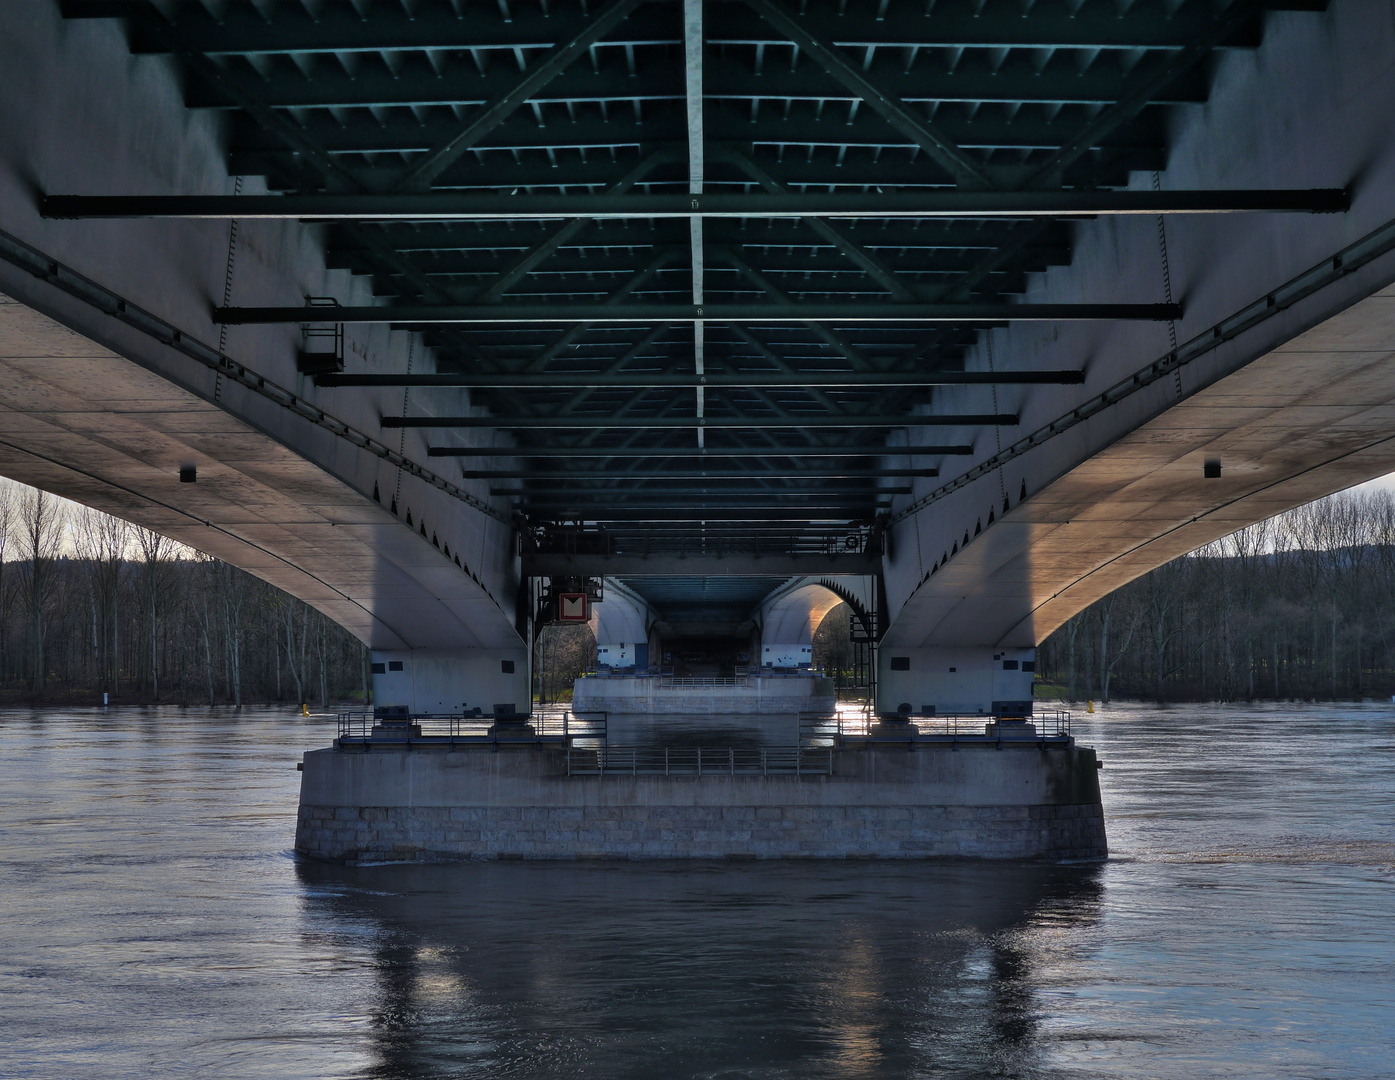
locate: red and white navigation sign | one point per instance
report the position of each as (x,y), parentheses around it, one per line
(571,607)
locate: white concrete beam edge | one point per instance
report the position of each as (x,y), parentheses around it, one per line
(692,71)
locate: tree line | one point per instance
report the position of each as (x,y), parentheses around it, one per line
(92,605)
(1301,606)
(1298,607)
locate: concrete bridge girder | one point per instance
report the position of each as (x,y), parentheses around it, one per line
(102,408)
(622,622)
(1293,397)
(784,620)
(789,617)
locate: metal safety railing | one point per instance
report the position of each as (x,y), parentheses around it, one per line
(704,680)
(863,726)
(539,727)
(700,761)
(667,678)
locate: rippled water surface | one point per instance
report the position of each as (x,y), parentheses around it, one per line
(153,922)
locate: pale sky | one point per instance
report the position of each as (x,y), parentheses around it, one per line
(1381,483)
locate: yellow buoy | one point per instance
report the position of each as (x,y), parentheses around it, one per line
(305,709)
(1091,707)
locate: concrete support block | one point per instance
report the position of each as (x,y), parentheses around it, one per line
(876,805)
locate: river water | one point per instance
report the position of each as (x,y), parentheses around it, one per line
(153,922)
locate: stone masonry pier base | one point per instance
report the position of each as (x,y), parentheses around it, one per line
(1020,802)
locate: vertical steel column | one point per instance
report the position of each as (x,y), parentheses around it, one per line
(692,53)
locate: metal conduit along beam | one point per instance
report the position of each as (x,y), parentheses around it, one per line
(831,312)
(467,206)
(662,453)
(799,379)
(484,120)
(546,423)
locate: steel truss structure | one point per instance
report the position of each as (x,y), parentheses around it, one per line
(650,235)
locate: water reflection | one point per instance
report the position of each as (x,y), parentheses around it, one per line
(619,970)
(153,922)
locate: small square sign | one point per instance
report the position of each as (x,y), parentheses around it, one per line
(571,607)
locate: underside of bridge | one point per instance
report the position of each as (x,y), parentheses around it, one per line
(998,304)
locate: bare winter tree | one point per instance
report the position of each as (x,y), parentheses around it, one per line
(132,614)
(232,586)
(833,651)
(1300,606)
(41,521)
(7,517)
(296,641)
(1129,618)
(155,552)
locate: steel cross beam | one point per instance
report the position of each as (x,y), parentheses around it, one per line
(780,297)
(246,29)
(1132,103)
(496,112)
(202,67)
(815,515)
(540,253)
(572,494)
(569,475)
(732,514)
(792,380)
(687,454)
(755,503)
(468,206)
(675,313)
(871,265)
(548,423)
(539,361)
(940,148)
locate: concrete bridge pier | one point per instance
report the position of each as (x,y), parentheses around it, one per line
(452,681)
(623,623)
(947,681)
(788,618)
